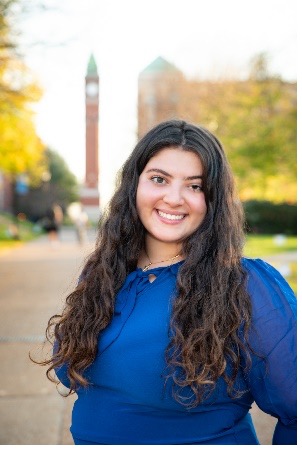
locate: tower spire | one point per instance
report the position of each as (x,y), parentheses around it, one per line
(92,69)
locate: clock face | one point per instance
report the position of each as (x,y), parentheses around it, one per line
(92,89)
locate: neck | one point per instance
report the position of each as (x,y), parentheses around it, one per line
(157,250)
(159,254)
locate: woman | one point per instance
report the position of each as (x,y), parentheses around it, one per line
(170,334)
(52,223)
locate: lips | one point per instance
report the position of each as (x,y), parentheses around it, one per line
(172,217)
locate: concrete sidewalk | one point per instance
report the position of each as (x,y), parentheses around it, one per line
(35,279)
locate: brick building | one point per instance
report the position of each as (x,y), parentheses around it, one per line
(159,92)
(90,197)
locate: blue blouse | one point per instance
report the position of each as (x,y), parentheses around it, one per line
(128,401)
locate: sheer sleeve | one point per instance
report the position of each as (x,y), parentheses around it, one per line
(273,375)
(61,371)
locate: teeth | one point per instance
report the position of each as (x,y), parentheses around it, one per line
(169,216)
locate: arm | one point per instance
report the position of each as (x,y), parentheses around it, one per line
(61,372)
(272,378)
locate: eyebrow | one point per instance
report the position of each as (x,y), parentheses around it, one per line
(163,172)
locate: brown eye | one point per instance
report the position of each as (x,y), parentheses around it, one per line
(158,180)
(196,188)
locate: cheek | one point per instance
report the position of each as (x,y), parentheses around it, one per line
(198,203)
(146,195)
(141,199)
(200,207)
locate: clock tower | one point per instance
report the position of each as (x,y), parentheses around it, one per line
(90,197)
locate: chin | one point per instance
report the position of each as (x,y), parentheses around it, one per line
(169,238)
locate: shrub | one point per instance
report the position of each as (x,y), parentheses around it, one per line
(264,217)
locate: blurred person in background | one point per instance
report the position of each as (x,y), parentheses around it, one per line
(52,223)
(171,334)
(81,226)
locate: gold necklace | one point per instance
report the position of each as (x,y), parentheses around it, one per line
(161,261)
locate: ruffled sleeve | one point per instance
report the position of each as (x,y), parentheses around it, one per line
(273,376)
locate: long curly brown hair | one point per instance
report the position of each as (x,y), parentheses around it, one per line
(211,307)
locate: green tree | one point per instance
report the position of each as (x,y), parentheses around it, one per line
(59,185)
(62,181)
(256,120)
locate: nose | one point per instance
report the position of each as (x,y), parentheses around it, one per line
(173,196)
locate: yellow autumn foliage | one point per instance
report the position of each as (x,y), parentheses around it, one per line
(21,149)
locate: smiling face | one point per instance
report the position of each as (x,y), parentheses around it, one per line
(170,200)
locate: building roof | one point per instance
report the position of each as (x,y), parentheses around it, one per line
(160,65)
(92,67)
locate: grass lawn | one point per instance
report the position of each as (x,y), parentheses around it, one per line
(267,245)
(6,244)
(14,232)
(292,278)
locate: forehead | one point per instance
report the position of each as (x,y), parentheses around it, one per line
(175,158)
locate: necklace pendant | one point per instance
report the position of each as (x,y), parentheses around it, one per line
(147,266)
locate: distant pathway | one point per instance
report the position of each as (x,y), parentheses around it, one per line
(282,261)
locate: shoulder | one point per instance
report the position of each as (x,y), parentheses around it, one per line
(268,289)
